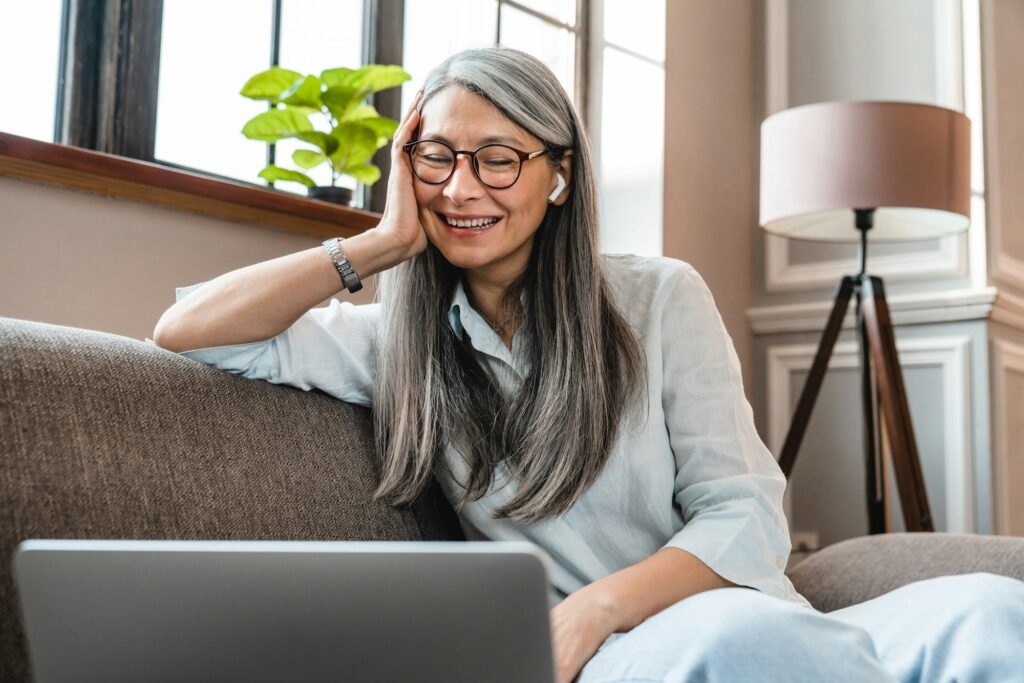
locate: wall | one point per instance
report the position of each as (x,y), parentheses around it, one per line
(79,259)
(712,117)
(1003,54)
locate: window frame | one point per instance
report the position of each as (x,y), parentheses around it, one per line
(106,99)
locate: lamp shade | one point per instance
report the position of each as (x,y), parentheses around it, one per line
(910,162)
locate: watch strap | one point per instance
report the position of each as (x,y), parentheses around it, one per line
(341,264)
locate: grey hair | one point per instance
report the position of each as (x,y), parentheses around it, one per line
(555,433)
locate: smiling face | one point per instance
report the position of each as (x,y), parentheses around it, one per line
(500,252)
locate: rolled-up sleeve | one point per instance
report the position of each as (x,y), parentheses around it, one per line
(728,485)
(330,348)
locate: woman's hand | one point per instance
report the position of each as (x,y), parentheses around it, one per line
(401,221)
(579,624)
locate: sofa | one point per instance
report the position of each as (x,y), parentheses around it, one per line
(104,436)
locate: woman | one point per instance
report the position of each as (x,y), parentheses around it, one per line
(589,403)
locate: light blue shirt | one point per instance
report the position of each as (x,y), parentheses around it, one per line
(697,475)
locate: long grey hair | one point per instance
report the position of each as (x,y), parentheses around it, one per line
(587,368)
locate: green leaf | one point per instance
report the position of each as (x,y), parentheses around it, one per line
(307,158)
(352,86)
(273,125)
(269,84)
(377,77)
(305,111)
(340,99)
(381,125)
(324,142)
(274,173)
(368,174)
(356,145)
(362,111)
(304,93)
(336,77)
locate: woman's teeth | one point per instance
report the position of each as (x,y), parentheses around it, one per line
(475,223)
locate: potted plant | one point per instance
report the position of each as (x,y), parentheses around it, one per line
(350,131)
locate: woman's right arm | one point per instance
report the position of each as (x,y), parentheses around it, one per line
(260,301)
(263,300)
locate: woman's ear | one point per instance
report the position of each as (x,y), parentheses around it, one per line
(563,169)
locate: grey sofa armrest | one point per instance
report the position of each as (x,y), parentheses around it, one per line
(859,569)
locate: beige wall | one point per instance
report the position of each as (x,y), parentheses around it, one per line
(1003,35)
(79,259)
(712,119)
(1003,39)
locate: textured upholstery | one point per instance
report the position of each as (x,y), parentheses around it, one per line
(859,569)
(103,436)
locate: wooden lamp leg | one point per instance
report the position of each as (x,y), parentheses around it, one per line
(895,410)
(809,394)
(873,463)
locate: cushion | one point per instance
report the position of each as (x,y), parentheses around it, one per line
(859,569)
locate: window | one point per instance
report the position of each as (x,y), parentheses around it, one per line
(199,111)
(628,72)
(209,50)
(30,55)
(554,43)
(435,29)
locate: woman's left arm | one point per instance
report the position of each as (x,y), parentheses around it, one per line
(728,485)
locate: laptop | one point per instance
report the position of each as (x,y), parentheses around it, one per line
(381,611)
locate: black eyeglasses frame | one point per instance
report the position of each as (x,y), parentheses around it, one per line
(523,158)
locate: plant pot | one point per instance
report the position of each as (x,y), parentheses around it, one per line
(328,193)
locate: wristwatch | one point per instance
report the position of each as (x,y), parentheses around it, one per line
(348,275)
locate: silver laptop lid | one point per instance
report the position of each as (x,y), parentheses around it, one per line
(458,612)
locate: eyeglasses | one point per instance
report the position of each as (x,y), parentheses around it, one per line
(496,166)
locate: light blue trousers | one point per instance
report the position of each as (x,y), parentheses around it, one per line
(961,628)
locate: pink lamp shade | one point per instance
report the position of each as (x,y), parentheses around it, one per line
(911,162)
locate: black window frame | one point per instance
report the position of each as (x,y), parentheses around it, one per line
(110,61)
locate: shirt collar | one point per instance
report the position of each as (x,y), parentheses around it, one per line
(458,308)
(462,315)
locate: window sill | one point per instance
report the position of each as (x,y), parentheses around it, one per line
(115,176)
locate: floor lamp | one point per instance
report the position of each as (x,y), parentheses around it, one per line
(837,172)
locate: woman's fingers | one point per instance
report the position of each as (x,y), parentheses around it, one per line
(414,116)
(404,133)
(415,101)
(412,113)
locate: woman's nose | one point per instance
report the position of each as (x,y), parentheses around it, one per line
(463,185)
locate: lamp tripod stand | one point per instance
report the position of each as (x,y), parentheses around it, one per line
(878,352)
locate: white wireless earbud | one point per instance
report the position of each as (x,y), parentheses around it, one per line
(558,190)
